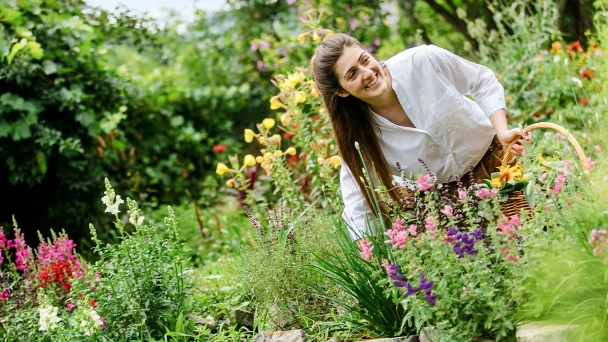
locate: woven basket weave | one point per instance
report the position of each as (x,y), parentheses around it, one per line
(517,200)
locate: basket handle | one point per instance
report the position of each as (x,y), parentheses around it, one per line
(577,147)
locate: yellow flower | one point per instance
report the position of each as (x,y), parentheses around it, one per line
(262,140)
(259,159)
(291,151)
(285,118)
(322,110)
(249,160)
(315,37)
(294,79)
(249,134)
(221,169)
(314,91)
(328,32)
(275,139)
(508,173)
(299,96)
(275,103)
(278,153)
(230,183)
(268,123)
(303,37)
(336,161)
(267,157)
(296,112)
(320,160)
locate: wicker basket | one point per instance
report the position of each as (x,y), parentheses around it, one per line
(517,200)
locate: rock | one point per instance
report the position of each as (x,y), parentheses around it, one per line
(434,338)
(543,332)
(334,339)
(281,336)
(390,339)
(244,318)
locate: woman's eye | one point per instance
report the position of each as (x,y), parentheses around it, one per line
(365,60)
(352,74)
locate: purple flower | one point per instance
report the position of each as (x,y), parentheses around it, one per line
(352,23)
(261,65)
(254,46)
(264,44)
(410,290)
(376,42)
(431,299)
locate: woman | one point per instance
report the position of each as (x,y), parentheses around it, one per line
(411,106)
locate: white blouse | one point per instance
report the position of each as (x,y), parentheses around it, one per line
(452,132)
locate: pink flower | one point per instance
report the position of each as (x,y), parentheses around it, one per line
(559,138)
(561,179)
(70,306)
(543,177)
(509,225)
(4,295)
(598,148)
(398,235)
(398,225)
(352,23)
(556,189)
(430,224)
(447,211)
(424,182)
(597,236)
(413,230)
(589,164)
(493,192)
(483,193)
(103,322)
(366,249)
(462,194)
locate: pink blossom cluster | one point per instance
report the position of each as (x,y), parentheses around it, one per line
(484,192)
(509,225)
(59,251)
(425,182)
(366,249)
(3,243)
(431,225)
(399,234)
(22,250)
(559,181)
(597,239)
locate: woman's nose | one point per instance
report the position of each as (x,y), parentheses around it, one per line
(367,73)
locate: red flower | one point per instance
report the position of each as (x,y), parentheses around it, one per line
(92,301)
(287,135)
(80,296)
(219,148)
(584,101)
(4,295)
(292,160)
(67,287)
(314,118)
(587,74)
(576,46)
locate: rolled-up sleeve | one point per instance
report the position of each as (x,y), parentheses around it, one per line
(469,79)
(355,212)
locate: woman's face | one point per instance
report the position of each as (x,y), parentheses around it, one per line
(359,74)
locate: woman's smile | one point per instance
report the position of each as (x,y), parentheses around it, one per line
(373,83)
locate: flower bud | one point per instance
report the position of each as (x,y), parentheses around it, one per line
(249,134)
(291,151)
(221,169)
(249,160)
(285,119)
(336,161)
(268,123)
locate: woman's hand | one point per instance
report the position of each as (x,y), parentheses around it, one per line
(505,137)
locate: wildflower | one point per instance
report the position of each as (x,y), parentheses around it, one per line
(509,225)
(352,23)
(264,44)
(219,148)
(430,224)
(299,96)
(589,164)
(447,211)
(510,256)
(314,91)
(93,303)
(559,138)
(70,306)
(424,182)
(366,249)
(4,295)
(336,161)
(48,318)
(268,123)
(598,149)
(249,135)
(462,194)
(221,169)
(393,272)
(585,73)
(493,192)
(261,65)
(483,193)
(277,153)
(249,160)
(577,81)
(275,139)
(584,101)
(303,37)
(556,47)
(413,230)
(508,174)
(285,118)
(254,46)
(291,151)
(275,103)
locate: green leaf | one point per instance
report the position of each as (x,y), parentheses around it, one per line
(177,120)
(15,49)
(22,131)
(49,67)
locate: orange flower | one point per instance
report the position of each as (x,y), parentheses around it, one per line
(584,101)
(508,173)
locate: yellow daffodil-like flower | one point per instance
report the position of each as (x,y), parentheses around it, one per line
(259,159)
(285,118)
(268,123)
(262,140)
(291,151)
(293,79)
(267,157)
(275,139)
(275,103)
(230,183)
(299,96)
(336,161)
(508,173)
(303,37)
(278,153)
(249,160)
(249,135)
(221,169)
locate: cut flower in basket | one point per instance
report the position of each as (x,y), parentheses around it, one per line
(507,179)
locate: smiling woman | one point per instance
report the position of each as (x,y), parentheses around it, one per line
(411,107)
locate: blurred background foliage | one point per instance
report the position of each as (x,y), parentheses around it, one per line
(87,94)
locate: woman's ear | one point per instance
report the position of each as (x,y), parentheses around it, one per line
(342,93)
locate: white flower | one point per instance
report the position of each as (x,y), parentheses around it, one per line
(577,81)
(113,209)
(556,59)
(461,13)
(106,200)
(566,61)
(48,318)
(140,220)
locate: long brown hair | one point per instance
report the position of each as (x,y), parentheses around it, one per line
(351,119)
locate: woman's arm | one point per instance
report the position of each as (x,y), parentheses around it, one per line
(506,135)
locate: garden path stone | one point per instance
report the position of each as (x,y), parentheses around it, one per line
(543,332)
(281,336)
(422,337)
